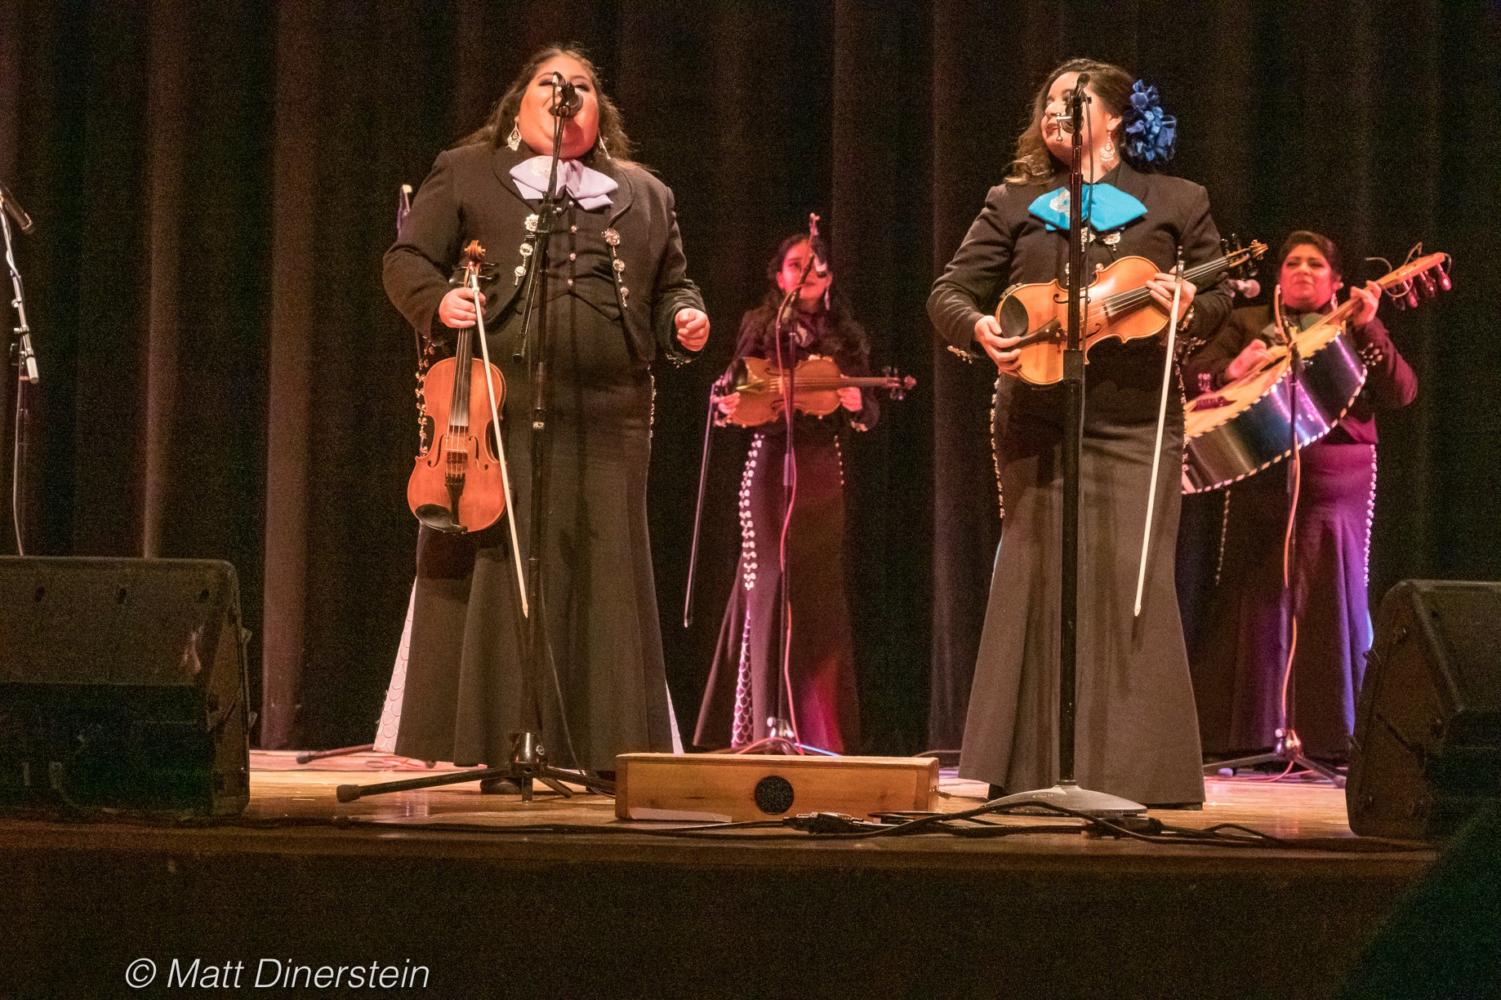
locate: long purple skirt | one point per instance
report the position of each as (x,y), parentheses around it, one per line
(1239,662)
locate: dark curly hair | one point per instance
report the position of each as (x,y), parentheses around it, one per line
(498,125)
(1032,163)
(845,335)
(1309,238)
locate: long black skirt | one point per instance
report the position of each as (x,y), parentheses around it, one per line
(1136,727)
(601,688)
(819,694)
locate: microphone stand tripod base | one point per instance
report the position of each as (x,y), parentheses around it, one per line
(1069,795)
(780,739)
(780,745)
(307,757)
(528,765)
(1287,750)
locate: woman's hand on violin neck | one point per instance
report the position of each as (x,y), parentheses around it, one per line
(692,328)
(1002,350)
(457,310)
(1161,288)
(850,398)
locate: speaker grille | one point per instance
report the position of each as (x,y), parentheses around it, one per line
(122,684)
(1427,748)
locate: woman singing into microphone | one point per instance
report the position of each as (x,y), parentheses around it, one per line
(1136,730)
(618,297)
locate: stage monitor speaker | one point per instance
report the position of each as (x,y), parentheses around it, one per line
(1427,751)
(122,686)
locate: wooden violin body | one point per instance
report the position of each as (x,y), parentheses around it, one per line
(458,480)
(1116,304)
(459,471)
(816,381)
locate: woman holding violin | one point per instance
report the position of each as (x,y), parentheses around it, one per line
(820,701)
(1136,732)
(1239,654)
(617,298)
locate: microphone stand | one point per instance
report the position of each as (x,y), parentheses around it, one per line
(782,736)
(1288,747)
(24,358)
(529,758)
(1067,792)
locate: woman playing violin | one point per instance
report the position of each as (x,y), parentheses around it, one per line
(618,297)
(742,689)
(1136,731)
(1239,654)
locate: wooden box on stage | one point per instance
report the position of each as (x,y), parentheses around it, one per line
(712,787)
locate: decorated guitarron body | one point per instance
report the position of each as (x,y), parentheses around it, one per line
(1245,426)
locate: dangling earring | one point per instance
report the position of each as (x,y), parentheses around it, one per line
(603,148)
(1108,150)
(514,139)
(826,292)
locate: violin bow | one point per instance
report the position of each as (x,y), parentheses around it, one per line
(471,278)
(1167,374)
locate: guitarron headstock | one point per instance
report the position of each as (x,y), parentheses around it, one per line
(1420,277)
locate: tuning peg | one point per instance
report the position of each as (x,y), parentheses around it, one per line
(1426,284)
(1399,302)
(1443,280)
(1412,295)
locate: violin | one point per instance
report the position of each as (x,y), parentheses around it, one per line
(458,480)
(815,382)
(1118,306)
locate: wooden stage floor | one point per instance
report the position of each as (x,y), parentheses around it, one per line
(281,789)
(473,888)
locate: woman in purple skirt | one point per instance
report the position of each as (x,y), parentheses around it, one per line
(1239,657)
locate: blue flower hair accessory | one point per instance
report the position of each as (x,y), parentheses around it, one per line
(1151,135)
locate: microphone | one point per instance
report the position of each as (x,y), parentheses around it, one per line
(820,263)
(566,98)
(1064,118)
(1077,95)
(1247,288)
(14,210)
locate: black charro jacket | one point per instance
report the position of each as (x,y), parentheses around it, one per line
(469,195)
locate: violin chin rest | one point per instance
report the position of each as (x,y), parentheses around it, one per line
(438,518)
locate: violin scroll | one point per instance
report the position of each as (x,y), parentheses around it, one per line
(897,384)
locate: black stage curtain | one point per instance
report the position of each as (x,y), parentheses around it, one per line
(214,184)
